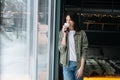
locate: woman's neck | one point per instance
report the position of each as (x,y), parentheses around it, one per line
(71,28)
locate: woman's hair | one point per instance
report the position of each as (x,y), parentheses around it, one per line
(75,18)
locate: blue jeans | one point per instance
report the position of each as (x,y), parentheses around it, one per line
(70,71)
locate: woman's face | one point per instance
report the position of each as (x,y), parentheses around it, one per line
(68,20)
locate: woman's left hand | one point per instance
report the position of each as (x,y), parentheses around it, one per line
(79,73)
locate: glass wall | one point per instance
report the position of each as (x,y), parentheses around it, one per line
(27,39)
(42,39)
(17,43)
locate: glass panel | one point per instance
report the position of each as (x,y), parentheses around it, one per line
(14,39)
(42,39)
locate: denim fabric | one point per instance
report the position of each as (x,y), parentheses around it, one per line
(70,71)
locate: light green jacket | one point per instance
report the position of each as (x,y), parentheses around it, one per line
(81,46)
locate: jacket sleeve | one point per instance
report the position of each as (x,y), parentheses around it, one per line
(61,48)
(84,45)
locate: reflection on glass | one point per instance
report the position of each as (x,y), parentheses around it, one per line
(42,39)
(13,56)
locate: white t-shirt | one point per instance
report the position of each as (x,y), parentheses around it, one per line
(72,45)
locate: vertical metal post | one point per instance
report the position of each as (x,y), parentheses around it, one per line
(51,37)
(35,14)
(57,28)
(34,35)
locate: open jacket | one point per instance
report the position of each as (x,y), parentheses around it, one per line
(81,46)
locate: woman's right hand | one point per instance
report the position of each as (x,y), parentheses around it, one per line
(64,29)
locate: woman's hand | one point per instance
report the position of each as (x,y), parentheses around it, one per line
(79,73)
(64,29)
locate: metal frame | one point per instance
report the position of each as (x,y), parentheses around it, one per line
(35,14)
(57,28)
(51,36)
(32,10)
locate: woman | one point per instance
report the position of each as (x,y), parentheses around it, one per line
(73,46)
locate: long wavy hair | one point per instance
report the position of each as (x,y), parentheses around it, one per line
(75,18)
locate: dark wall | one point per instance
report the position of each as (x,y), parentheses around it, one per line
(103,38)
(104,4)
